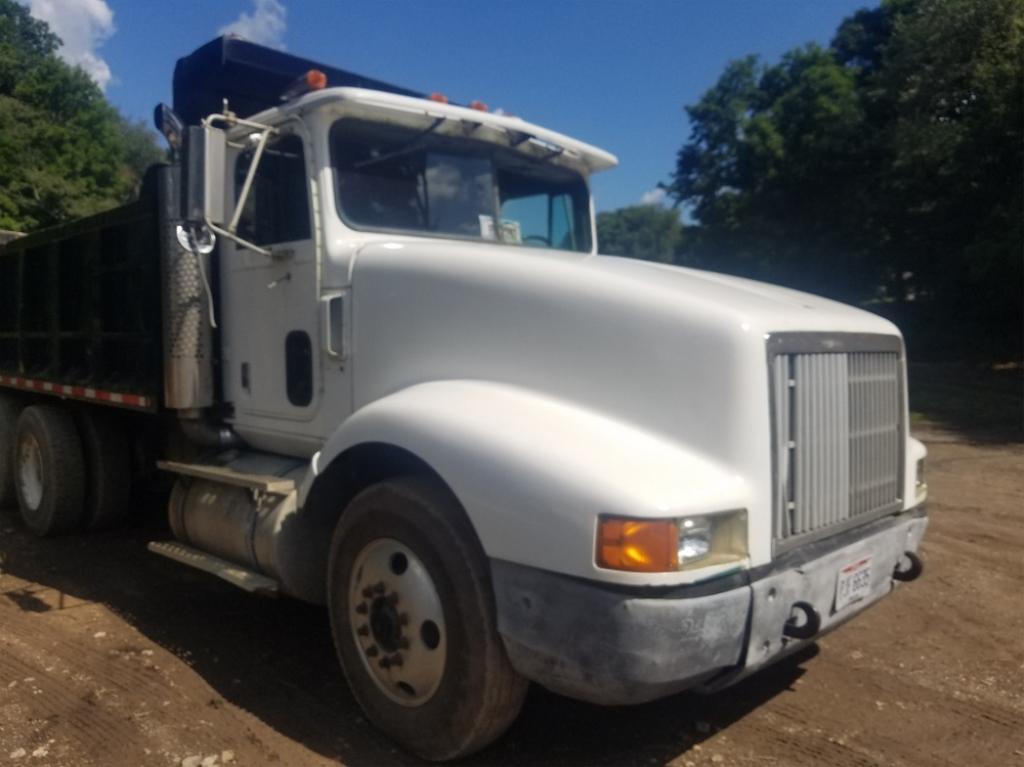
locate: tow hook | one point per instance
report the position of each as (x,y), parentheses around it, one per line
(797,629)
(908,568)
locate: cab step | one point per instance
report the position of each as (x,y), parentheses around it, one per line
(266,483)
(236,575)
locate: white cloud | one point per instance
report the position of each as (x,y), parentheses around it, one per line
(654,196)
(83,26)
(266,24)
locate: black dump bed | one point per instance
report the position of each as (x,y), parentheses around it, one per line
(80,306)
(252,77)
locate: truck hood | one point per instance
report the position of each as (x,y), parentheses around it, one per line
(676,352)
(652,377)
(773,308)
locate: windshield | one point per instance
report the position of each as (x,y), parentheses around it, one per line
(393,178)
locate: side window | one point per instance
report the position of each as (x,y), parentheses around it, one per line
(277,208)
(531,213)
(563,233)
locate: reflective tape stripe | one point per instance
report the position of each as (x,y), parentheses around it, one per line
(79,392)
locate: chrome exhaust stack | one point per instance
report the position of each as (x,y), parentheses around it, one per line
(187,328)
(187,320)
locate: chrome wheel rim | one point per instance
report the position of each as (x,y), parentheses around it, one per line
(397,622)
(30,472)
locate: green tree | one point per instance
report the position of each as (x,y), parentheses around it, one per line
(949,93)
(886,168)
(64,151)
(641,231)
(770,170)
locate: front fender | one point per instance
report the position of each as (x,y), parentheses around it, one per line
(533,473)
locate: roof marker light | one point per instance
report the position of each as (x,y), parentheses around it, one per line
(479,106)
(313,80)
(440,98)
(316,80)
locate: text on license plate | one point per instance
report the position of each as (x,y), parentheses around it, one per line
(853,583)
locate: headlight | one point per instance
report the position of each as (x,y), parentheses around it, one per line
(668,545)
(694,539)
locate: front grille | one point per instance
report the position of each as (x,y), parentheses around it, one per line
(838,431)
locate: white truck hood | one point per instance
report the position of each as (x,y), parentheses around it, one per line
(771,307)
(662,347)
(675,356)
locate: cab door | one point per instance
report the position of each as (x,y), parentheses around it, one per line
(271,350)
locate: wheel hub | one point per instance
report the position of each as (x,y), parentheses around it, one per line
(384,625)
(30,471)
(397,621)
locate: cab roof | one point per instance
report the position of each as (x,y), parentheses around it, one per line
(452,119)
(253,78)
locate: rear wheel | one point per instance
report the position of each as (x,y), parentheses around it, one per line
(49,470)
(10,407)
(108,468)
(413,618)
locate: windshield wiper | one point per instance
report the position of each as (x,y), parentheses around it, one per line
(407,147)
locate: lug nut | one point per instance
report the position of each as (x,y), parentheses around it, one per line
(395,660)
(361,608)
(384,662)
(368,592)
(363,630)
(380,588)
(393,598)
(371,651)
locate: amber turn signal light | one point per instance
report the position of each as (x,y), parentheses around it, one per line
(313,80)
(638,545)
(316,80)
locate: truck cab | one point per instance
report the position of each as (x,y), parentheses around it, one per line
(352,176)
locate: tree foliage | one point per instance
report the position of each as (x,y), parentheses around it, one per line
(64,151)
(886,168)
(641,231)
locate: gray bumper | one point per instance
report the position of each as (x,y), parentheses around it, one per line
(605,645)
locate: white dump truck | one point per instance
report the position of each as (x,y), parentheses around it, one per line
(369,333)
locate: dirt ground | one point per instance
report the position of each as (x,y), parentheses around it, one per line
(112,656)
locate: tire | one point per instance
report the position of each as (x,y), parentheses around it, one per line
(10,407)
(413,531)
(108,468)
(49,470)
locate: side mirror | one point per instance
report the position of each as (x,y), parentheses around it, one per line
(203,187)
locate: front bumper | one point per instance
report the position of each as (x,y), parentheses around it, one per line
(614,645)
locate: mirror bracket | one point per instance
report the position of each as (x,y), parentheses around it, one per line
(215,144)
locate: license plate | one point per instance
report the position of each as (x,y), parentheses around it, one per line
(853,583)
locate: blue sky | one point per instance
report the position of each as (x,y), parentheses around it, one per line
(615,73)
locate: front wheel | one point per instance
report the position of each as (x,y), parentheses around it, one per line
(413,618)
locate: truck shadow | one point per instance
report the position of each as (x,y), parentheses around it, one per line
(275,659)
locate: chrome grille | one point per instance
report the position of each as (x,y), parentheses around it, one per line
(837,430)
